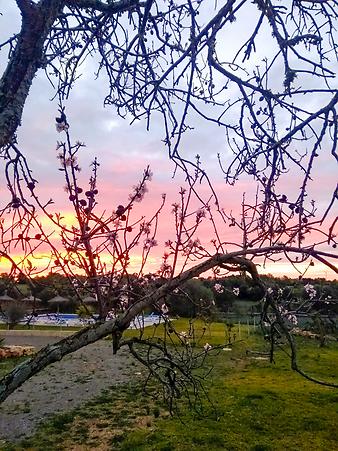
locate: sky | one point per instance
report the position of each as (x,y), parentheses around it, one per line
(124,150)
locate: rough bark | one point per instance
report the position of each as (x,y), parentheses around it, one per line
(109,8)
(27,58)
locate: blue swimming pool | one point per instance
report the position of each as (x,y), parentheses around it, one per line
(66,315)
(72,319)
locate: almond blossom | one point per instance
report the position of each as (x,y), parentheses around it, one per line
(235,291)
(218,288)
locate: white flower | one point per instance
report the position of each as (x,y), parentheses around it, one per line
(269,290)
(164,309)
(207,347)
(293,319)
(289,316)
(183,335)
(61,126)
(124,300)
(110,315)
(235,291)
(310,290)
(218,288)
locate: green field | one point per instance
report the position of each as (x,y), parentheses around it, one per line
(255,406)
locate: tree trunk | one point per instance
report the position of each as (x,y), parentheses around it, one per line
(27,58)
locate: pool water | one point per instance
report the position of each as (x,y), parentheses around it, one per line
(72,319)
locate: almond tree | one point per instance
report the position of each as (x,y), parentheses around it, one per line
(123,295)
(172,59)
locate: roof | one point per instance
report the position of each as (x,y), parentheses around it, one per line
(89,300)
(58,300)
(5,297)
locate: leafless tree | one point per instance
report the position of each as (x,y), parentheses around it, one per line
(172,60)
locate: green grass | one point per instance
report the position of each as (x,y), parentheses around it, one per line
(7,365)
(258,406)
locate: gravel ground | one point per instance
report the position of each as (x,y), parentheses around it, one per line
(62,386)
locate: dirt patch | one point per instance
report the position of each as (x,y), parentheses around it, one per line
(62,386)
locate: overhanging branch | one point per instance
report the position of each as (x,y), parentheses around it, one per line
(55,352)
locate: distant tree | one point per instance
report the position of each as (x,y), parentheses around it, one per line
(224,301)
(46,293)
(191,300)
(13,313)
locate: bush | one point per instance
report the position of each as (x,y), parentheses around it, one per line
(14,313)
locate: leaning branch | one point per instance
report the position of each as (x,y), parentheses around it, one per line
(116,327)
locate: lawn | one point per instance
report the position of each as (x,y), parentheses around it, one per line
(255,406)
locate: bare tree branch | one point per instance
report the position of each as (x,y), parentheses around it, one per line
(116,327)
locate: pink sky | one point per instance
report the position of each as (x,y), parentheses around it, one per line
(123,152)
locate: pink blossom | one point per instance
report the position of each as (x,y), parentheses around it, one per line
(149,243)
(200,213)
(310,290)
(139,191)
(145,227)
(148,174)
(218,288)
(183,335)
(175,208)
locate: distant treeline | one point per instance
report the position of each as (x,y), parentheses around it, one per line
(196,297)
